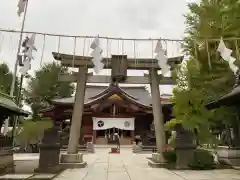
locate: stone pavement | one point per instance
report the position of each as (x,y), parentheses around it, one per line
(126,166)
(129,166)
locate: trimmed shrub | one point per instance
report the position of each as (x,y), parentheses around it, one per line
(203,160)
(170,156)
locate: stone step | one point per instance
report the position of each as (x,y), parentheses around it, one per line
(80,148)
(27,176)
(148,148)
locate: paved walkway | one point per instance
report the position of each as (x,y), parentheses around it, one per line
(129,166)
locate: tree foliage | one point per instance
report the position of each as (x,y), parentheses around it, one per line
(32,131)
(6,77)
(189,103)
(206,77)
(45,86)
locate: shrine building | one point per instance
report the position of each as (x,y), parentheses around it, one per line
(110,109)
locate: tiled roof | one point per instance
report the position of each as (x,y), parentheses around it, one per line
(140,94)
(227,100)
(8,103)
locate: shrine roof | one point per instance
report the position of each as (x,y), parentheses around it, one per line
(229,99)
(137,94)
(7,102)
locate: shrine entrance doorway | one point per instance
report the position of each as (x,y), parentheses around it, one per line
(108,134)
(106,128)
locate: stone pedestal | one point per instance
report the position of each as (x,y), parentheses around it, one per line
(90,147)
(157,160)
(49,152)
(185,146)
(49,159)
(137,148)
(184,157)
(72,161)
(6,161)
(229,156)
(6,155)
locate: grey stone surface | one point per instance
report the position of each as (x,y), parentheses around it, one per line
(157,157)
(25,167)
(90,147)
(72,161)
(229,156)
(49,152)
(16,176)
(42,176)
(127,165)
(184,157)
(137,148)
(27,176)
(71,158)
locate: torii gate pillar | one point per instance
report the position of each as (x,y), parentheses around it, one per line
(157,116)
(73,158)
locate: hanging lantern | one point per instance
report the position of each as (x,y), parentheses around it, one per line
(119,68)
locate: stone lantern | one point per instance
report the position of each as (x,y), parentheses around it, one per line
(184,146)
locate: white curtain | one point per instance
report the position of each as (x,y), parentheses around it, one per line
(107,123)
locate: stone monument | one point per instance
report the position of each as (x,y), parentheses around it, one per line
(6,155)
(184,146)
(49,152)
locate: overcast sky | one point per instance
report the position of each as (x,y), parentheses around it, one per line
(114,18)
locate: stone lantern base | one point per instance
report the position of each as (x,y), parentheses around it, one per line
(72,161)
(157,160)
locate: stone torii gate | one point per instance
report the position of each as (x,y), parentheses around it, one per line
(119,65)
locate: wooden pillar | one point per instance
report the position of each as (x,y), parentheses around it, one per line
(77,111)
(157,111)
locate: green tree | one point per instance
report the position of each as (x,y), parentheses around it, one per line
(189,101)
(31,132)
(206,77)
(45,86)
(6,77)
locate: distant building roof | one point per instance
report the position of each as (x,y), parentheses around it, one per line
(138,94)
(8,103)
(230,99)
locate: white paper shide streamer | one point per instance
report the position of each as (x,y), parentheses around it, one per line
(30,47)
(226,55)
(97,55)
(160,55)
(21,6)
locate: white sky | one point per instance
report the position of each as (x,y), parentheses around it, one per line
(112,18)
